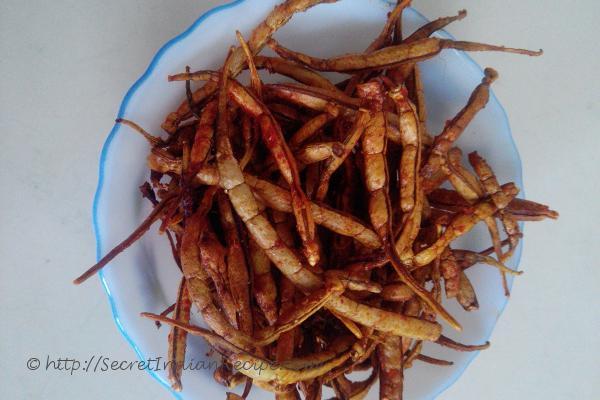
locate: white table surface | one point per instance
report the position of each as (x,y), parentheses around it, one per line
(64,68)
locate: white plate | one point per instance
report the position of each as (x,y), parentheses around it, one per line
(144,278)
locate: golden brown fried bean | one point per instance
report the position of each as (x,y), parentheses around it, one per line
(447,342)
(295,71)
(444,141)
(237,269)
(265,290)
(255,81)
(204,136)
(178,337)
(391,377)
(391,56)
(152,140)
(385,321)
(434,361)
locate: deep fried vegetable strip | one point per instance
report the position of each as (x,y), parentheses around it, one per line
(391,56)
(212,256)
(177,337)
(519,209)
(204,136)
(391,379)
(457,125)
(217,341)
(255,81)
(434,361)
(295,71)
(237,269)
(153,140)
(132,238)
(265,291)
(447,342)
(284,349)
(435,25)
(250,141)
(525,210)
(385,321)
(310,97)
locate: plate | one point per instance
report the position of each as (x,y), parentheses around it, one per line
(144,278)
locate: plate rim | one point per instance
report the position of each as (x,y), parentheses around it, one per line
(122,111)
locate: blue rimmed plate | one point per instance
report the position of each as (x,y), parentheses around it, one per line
(144,277)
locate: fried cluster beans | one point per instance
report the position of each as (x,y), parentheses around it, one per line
(308,220)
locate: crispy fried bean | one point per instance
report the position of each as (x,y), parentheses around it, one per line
(178,337)
(391,377)
(391,56)
(239,280)
(295,71)
(447,342)
(265,290)
(444,141)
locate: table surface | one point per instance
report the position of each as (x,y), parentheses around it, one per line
(60,90)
